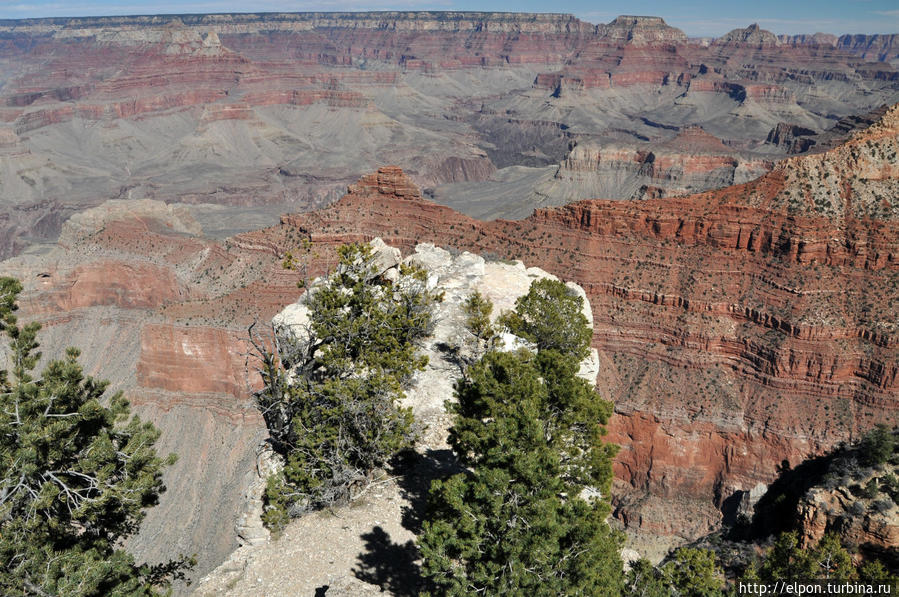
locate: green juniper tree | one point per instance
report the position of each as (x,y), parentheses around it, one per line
(529,514)
(477,309)
(550,316)
(75,477)
(330,398)
(692,572)
(645,580)
(788,560)
(877,446)
(689,572)
(828,560)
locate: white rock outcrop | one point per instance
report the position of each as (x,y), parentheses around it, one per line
(457,276)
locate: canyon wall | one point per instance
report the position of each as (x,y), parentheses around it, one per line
(736,328)
(163,314)
(279,112)
(690,162)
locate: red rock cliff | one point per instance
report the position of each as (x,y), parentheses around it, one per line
(736,328)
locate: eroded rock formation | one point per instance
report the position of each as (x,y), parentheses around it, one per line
(692,161)
(279,112)
(736,328)
(162,313)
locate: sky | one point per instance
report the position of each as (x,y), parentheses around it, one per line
(697,18)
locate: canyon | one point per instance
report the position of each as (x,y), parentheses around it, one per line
(731,326)
(735,328)
(272,113)
(734,222)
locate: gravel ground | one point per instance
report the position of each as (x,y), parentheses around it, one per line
(366,539)
(367,547)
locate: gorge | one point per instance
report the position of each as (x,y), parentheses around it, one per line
(729,207)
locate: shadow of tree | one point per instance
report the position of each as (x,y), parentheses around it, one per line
(775,512)
(394,566)
(391,566)
(420,470)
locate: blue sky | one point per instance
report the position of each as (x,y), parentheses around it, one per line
(695,17)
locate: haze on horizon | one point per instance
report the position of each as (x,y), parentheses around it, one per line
(697,18)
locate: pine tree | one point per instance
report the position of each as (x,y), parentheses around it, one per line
(644,580)
(828,560)
(529,515)
(689,572)
(877,446)
(550,316)
(75,477)
(787,560)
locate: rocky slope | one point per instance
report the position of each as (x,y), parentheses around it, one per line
(867,521)
(845,492)
(281,111)
(690,162)
(735,328)
(162,312)
(750,35)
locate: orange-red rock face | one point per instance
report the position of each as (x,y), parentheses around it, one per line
(121,284)
(163,314)
(193,360)
(691,162)
(736,328)
(683,470)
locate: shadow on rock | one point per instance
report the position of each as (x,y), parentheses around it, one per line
(775,512)
(418,470)
(391,566)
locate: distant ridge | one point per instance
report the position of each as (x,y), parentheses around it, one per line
(749,35)
(623,29)
(209,19)
(881,47)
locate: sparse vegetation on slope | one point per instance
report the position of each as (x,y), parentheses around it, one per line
(828,560)
(689,572)
(75,477)
(696,572)
(852,491)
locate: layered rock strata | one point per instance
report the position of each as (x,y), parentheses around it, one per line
(735,328)
(692,161)
(280,112)
(722,337)
(163,313)
(869,523)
